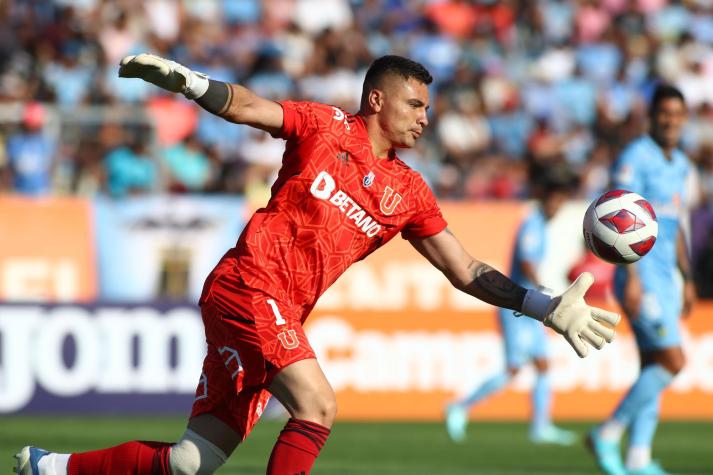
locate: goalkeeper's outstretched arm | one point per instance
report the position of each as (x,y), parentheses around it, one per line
(233,102)
(568,314)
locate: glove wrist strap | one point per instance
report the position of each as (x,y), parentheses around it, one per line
(196,85)
(535,304)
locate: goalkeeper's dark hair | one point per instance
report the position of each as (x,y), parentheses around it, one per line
(665,91)
(393,65)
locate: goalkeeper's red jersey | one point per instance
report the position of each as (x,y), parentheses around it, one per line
(333,203)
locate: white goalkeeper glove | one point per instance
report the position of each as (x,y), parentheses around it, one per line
(570,316)
(165,74)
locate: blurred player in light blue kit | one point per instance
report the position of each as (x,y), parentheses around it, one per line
(525,342)
(649,290)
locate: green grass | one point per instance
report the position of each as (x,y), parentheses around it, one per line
(379,448)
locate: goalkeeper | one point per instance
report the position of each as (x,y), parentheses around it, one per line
(325,213)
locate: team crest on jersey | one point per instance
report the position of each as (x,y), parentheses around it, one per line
(389,201)
(368,179)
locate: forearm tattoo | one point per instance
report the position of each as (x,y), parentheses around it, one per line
(491,286)
(217,98)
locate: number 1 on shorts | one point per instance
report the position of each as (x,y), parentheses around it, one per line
(278,318)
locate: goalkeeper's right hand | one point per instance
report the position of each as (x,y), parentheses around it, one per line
(570,316)
(164,73)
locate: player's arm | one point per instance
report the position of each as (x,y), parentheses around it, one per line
(231,101)
(684,266)
(567,313)
(633,291)
(465,273)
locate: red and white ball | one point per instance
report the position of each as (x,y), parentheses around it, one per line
(620,227)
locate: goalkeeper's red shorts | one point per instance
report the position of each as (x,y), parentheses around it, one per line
(251,336)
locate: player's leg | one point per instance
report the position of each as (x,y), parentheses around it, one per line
(228,402)
(201,449)
(542,430)
(135,457)
(458,410)
(308,397)
(645,420)
(657,333)
(641,433)
(541,399)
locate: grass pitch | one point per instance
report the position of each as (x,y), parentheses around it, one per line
(370,448)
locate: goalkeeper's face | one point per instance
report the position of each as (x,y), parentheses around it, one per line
(402,112)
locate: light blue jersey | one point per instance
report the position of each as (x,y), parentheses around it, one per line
(643,169)
(525,337)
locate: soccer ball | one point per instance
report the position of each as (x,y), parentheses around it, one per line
(620,227)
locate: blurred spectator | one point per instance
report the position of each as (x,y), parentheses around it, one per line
(30,154)
(515,82)
(510,129)
(164,17)
(599,62)
(463,130)
(130,170)
(119,38)
(69,79)
(543,144)
(456,18)
(221,135)
(558,19)
(591,21)
(260,149)
(175,118)
(438,53)
(188,166)
(297,47)
(595,176)
(267,78)
(314,16)
(670,22)
(244,11)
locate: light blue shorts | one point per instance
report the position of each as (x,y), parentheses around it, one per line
(525,338)
(658,324)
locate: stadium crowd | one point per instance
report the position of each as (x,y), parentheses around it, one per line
(518,85)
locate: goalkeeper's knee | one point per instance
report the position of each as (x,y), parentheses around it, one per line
(194,455)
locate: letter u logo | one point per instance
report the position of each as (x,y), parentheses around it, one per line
(388,207)
(288,339)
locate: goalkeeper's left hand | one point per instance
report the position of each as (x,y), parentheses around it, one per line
(570,316)
(165,74)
